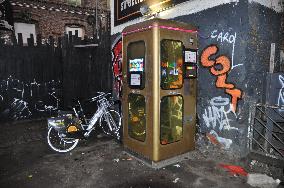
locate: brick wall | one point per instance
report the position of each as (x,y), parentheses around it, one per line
(52,20)
(103,4)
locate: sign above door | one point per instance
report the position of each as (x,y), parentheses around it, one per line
(126,10)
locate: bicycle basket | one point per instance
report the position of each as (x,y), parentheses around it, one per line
(64,123)
(57,122)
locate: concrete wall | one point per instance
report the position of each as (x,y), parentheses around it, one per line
(255,27)
(243,32)
(264,32)
(225,27)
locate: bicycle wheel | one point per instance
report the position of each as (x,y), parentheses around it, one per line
(58,142)
(110,123)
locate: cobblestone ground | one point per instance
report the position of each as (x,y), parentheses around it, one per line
(26,161)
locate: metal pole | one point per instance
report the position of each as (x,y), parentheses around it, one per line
(97,19)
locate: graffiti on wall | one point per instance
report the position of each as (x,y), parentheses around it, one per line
(117,65)
(216,116)
(219,67)
(280,101)
(20,100)
(229,38)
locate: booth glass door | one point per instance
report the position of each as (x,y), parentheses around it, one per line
(172,103)
(136,81)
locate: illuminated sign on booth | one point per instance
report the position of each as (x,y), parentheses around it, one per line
(190,60)
(126,10)
(136,65)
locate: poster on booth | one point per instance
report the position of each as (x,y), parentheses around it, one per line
(135,79)
(136,65)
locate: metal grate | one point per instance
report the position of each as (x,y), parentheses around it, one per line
(266,133)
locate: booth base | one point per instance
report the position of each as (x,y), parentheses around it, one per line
(160,164)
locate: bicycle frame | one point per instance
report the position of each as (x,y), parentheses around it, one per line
(91,125)
(102,104)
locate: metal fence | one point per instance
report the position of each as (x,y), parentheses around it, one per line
(39,78)
(266,131)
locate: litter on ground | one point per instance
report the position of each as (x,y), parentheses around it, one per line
(234,170)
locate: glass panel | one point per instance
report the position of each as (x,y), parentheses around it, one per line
(171,64)
(171,119)
(136,64)
(137,117)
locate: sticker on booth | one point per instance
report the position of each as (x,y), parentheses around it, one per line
(135,79)
(190,56)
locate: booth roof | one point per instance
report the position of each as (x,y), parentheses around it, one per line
(161,23)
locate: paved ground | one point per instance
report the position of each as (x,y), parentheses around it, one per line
(26,161)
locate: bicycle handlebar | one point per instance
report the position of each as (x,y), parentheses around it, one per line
(93,99)
(101,95)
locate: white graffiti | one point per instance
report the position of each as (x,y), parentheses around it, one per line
(225,142)
(19,109)
(228,38)
(216,115)
(33,84)
(22,88)
(23,98)
(280,101)
(40,106)
(14,85)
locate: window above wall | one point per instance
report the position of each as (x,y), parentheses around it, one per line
(26,29)
(74,28)
(74,2)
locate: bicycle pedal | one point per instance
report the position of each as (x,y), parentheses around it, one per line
(77,134)
(86,134)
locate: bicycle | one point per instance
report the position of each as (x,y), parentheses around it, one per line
(65,131)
